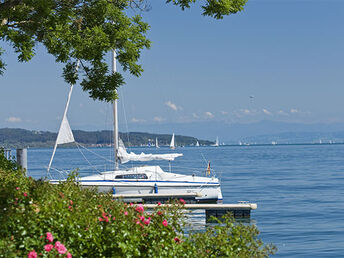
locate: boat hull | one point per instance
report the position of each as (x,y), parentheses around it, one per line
(207,193)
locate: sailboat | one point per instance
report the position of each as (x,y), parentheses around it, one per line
(172,144)
(197,144)
(216,142)
(156,143)
(141,179)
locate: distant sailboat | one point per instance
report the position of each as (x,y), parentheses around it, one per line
(156,143)
(217,142)
(197,144)
(172,144)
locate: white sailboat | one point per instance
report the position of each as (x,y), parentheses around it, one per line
(142,179)
(156,143)
(216,142)
(197,144)
(172,144)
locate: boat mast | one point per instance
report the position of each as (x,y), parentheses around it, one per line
(115,116)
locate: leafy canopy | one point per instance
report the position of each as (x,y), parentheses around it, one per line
(86,30)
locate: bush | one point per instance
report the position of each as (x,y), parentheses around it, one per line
(38,219)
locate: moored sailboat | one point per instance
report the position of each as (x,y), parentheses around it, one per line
(141,179)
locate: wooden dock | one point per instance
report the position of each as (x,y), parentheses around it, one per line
(241,209)
(238,210)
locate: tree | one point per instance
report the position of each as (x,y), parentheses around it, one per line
(86,30)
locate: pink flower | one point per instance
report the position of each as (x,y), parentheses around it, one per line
(71,202)
(126,213)
(140,208)
(147,221)
(159,203)
(177,240)
(50,237)
(165,223)
(107,219)
(131,204)
(100,219)
(142,218)
(61,249)
(159,213)
(104,214)
(25,194)
(182,201)
(17,188)
(69,255)
(113,218)
(32,254)
(48,247)
(70,207)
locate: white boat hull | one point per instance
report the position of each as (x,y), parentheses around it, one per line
(156,180)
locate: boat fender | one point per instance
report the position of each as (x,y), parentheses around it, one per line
(155,188)
(113,190)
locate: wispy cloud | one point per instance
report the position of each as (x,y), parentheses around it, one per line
(208,114)
(246,111)
(158,119)
(172,106)
(194,115)
(283,113)
(13,119)
(224,113)
(293,111)
(136,120)
(267,112)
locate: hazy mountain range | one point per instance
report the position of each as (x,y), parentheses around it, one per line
(261,132)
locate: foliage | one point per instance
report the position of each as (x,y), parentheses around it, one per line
(63,220)
(86,30)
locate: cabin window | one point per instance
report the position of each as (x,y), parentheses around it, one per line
(132,176)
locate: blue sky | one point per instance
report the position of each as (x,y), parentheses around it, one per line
(287,54)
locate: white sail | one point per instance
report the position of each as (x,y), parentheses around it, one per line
(172,145)
(217,142)
(65,134)
(197,144)
(156,143)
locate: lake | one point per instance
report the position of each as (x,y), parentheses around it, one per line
(299,189)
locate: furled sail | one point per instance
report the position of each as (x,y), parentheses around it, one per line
(125,157)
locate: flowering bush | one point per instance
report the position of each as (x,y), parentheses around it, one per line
(38,219)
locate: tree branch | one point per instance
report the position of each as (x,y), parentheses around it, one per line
(9,4)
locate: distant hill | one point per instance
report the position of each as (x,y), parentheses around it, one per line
(232,133)
(13,138)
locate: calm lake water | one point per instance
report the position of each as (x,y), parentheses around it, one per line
(299,189)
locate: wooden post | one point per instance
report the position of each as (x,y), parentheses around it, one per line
(22,158)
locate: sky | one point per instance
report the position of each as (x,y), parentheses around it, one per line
(278,60)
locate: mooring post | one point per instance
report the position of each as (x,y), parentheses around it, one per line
(22,158)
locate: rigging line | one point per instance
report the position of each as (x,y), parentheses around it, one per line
(107,126)
(125,118)
(86,158)
(61,172)
(78,144)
